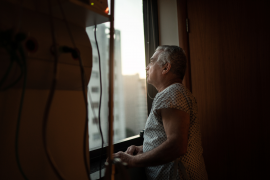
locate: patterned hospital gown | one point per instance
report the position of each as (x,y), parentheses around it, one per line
(191,165)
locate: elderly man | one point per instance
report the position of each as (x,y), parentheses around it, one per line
(172,139)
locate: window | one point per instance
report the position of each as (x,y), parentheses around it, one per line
(95,89)
(94,74)
(96,136)
(116,105)
(130,100)
(95,104)
(95,59)
(93,43)
(131,86)
(116,132)
(116,90)
(116,118)
(95,120)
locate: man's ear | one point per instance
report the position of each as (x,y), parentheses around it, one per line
(166,68)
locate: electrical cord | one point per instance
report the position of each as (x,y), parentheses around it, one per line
(2,37)
(7,73)
(14,48)
(15,82)
(24,70)
(86,137)
(14,58)
(49,100)
(99,109)
(11,45)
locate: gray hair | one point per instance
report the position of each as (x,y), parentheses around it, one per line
(175,56)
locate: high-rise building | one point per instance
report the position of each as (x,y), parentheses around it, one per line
(135,104)
(94,90)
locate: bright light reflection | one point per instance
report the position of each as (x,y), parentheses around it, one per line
(130,22)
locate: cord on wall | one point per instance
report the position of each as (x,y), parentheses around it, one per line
(49,100)
(86,136)
(100,98)
(24,71)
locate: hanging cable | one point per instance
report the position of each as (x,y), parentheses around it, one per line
(50,98)
(15,82)
(7,73)
(24,70)
(12,46)
(15,50)
(86,137)
(99,109)
(12,51)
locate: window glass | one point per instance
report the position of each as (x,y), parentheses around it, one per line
(95,89)
(95,59)
(96,136)
(95,120)
(130,108)
(94,74)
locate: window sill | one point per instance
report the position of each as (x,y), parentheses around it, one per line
(120,146)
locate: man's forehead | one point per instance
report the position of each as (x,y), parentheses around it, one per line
(155,55)
(153,59)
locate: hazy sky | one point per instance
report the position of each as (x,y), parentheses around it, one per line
(129,20)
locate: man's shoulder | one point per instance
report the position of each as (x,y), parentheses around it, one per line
(174,90)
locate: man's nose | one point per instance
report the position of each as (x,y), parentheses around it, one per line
(147,67)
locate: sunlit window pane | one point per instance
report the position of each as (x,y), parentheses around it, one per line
(130,109)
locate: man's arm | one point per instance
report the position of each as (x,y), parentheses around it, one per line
(176,125)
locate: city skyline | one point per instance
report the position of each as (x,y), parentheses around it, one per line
(130,109)
(129,20)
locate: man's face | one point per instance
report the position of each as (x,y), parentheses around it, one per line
(153,70)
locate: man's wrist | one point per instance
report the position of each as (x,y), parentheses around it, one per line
(136,161)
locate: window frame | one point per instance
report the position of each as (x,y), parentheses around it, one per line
(151,36)
(119,146)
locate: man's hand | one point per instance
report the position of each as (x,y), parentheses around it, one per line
(134,150)
(129,159)
(176,124)
(128,156)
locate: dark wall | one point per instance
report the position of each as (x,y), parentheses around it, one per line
(230,63)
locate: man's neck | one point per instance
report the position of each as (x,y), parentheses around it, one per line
(167,83)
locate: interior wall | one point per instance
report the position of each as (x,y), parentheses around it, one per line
(66,121)
(168,24)
(229,54)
